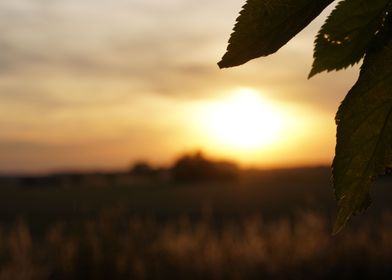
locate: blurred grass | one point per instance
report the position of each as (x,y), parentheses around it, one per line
(266,225)
(111,248)
(267,193)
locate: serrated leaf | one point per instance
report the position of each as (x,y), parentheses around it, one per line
(264,26)
(347,33)
(364,134)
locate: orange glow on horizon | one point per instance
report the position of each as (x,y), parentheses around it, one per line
(253,130)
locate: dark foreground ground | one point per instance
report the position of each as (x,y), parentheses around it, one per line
(264,225)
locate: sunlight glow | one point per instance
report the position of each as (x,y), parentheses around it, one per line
(245,120)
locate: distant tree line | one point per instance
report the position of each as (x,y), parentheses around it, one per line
(196,168)
(193,167)
(188,168)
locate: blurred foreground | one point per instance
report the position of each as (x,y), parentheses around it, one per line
(257,225)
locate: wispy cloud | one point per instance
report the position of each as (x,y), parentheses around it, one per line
(76,66)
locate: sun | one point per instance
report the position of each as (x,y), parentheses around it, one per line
(244,120)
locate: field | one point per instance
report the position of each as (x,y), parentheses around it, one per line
(263,225)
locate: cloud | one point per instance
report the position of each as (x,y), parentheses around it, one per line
(150,46)
(75,70)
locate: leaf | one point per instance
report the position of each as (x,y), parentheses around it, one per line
(264,26)
(364,134)
(347,33)
(356,28)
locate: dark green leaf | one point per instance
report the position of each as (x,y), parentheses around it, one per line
(264,26)
(347,33)
(364,136)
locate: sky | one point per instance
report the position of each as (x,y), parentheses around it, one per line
(100,84)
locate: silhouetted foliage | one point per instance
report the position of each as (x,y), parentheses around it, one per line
(142,168)
(355,29)
(195,168)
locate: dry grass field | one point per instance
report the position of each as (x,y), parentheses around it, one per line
(265,225)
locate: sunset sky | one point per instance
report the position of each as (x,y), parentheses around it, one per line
(99,84)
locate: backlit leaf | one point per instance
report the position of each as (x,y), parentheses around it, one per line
(264,26)
(347,33)
(364,136)
(355,29)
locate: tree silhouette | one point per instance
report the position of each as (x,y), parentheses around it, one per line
(197,168)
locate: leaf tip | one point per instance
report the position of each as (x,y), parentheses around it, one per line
(222,64)
(311,75)
(337,227)
(340,222)
(314,71)
(231,60)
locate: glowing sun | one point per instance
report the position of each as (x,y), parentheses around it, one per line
(244,120)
